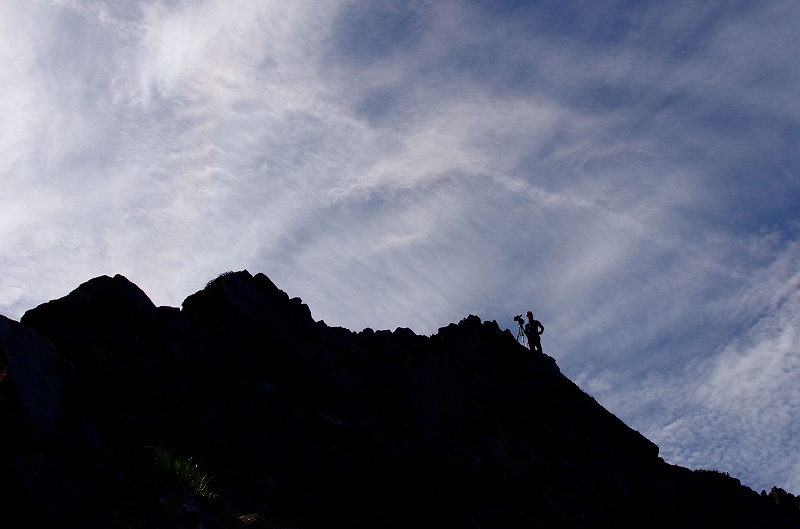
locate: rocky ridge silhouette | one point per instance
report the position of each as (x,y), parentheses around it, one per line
(240,410)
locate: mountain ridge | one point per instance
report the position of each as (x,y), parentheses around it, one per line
(110,402)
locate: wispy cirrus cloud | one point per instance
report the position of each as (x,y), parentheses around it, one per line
(626,169)
(738,409)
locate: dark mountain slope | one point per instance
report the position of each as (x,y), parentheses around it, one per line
(303,425)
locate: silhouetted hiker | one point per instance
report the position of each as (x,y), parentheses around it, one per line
(534,330)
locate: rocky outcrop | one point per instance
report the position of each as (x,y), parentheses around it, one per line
(239,409)
(42,431)
(37,369)
(788,503)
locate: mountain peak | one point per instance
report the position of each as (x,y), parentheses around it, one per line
(298,424)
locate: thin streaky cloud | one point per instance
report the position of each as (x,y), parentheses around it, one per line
(627,169)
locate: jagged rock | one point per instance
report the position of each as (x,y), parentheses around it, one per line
(788,503)
(34,366)
(39,377)
(305,425)
(47,442)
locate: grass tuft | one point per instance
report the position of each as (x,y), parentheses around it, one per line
(711,472)
(185,469)
(223,274)
(247,519)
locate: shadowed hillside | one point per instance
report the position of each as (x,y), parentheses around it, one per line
(240,410)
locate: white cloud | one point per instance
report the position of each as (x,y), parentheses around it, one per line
(737,410)
(472,162)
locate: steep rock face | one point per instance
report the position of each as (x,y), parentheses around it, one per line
(36,366)
(305,425)
(42,431)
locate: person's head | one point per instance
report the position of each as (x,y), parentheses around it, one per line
(529,314)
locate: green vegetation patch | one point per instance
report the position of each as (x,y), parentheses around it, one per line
(185,469)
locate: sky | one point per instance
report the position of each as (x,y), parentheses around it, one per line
(628,170)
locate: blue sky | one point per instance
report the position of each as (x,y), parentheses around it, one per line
(627,170)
